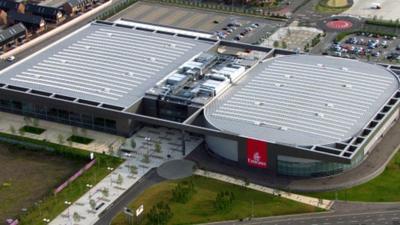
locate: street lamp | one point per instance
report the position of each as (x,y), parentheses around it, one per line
(147,139)
(89,186)
(68,204)
(110,169)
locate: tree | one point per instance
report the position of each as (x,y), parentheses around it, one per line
(284,44)
(84,132)
(157,147)
(60,139)
(160,214)
(120,179)
(223,200)
(183,192)
(105,192)
(92,204)
(133,143)
(146,158)
(111,149)
(276,44)
(12,129)
(69,141)
(21,132)
(74,130)
(27,120)
(133,170)
(76,217)
(35,122)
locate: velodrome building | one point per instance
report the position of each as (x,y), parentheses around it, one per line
(262,109)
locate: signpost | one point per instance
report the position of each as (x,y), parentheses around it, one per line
(130,215)
(139,210)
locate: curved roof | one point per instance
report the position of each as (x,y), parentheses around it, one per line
(303,100)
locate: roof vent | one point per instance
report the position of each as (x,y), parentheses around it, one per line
(345,69)
(107,90)
(320,65)
(63,61)
(109,34)
(172,45)
(87,47)
(348,86)
(130,74)
(321,115)
(152,59)
(258,123)
(279,85)
(259,103)
(288,76)
(283,128)
(37,76)
(330,105)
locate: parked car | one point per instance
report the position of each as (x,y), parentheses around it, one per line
(11,58)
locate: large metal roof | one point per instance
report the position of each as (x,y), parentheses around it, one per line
(303,100)
(104,63)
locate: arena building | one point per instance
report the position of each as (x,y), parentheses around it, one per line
(262,109)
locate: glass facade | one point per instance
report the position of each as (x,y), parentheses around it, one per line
(80,119)
(312,168)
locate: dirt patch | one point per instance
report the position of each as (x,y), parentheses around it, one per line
(27,176)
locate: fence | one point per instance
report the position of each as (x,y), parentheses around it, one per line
(115,9)
(75,176)
(252,11)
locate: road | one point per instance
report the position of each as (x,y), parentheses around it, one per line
(367,218)
(147,181)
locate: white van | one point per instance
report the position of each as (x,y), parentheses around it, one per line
(376,6)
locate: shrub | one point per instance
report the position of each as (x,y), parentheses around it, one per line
(183,192)
(224,200)
(160,214)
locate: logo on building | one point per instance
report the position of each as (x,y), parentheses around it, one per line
(257,153)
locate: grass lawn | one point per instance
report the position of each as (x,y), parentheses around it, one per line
(53,205)
(327,6)
(384,188)
(200,208)
(27,176)
(80,139)
(30,176)
(32,130)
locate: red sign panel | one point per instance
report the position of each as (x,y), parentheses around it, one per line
(257,153)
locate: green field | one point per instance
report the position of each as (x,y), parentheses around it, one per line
(200,208)
(28,176)
(384,188)
(31,174)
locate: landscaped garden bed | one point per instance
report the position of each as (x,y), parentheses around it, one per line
(80,139)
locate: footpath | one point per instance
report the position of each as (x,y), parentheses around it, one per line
(320,203)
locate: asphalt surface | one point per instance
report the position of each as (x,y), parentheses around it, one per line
(150,179)
(361,218)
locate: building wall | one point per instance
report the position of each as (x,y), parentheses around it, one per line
(64,112)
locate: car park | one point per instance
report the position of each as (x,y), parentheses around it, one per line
(364,45)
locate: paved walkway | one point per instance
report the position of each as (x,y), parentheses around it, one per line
(367,170)
(123,178)
(320,203)
(102,141)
